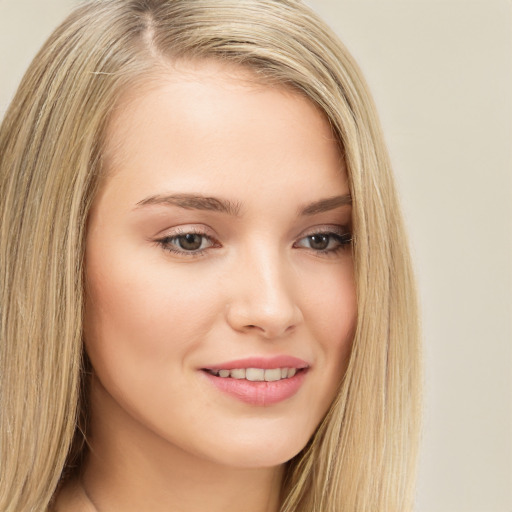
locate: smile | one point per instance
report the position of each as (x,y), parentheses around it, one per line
(258,392)
(256,374)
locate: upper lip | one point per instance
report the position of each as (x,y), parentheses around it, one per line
(266,363)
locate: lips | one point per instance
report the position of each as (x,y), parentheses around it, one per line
(259,381)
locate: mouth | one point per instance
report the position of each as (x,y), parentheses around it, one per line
(256,374)
(259,381)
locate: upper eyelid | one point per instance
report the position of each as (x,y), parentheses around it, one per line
(331,228)
(340,234)
(209,232)
(184,230)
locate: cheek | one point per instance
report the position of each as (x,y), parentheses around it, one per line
(136,314)
(343,315)
(332,316)
(331,305)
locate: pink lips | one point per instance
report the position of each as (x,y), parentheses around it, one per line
(260,393)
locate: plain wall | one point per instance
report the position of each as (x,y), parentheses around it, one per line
(441,74)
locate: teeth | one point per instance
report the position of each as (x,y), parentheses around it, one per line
(273,375)
(257,374)
(237,374)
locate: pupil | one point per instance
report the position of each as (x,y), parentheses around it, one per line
(190,242)
(320,242)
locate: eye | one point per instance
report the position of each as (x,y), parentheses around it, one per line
(190,241)
(187,243)
(325,242)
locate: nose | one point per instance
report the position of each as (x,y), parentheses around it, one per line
(262,299)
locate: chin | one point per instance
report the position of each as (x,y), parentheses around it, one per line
(257,449)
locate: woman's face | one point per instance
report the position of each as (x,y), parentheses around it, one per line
(220,291)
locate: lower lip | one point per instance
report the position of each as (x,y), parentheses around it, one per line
(259,393)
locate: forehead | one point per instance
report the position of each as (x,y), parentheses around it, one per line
(199,83)
(209,124)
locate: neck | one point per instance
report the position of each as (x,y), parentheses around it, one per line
(130,468)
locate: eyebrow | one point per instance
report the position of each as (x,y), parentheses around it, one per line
(193,202)
(199,202)
(324,205)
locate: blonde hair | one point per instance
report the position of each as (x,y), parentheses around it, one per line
(362,456)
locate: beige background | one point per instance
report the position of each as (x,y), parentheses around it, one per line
(441,73)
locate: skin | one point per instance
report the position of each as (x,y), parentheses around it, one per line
(162,437)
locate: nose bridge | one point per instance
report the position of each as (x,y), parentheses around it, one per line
(264,298)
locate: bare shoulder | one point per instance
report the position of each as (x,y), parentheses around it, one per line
(72,498)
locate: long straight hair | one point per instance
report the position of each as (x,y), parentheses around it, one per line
(362,456)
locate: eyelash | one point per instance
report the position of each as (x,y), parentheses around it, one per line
(166,243)
(342,236)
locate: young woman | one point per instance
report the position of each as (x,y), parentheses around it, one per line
(207,301)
